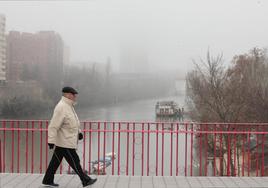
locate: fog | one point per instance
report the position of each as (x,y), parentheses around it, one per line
(169,33)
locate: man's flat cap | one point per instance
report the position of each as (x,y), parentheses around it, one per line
(69,90)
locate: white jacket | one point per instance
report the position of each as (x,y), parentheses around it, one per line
(64,126)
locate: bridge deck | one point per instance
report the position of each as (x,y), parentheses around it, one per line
(72,181)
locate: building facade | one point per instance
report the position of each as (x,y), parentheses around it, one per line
(2,49)
(34,56)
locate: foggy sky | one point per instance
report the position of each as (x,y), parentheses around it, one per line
(172,32)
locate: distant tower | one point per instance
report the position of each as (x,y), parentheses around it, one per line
(2,49)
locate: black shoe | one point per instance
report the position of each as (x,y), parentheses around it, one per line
(88,182)
(50,184)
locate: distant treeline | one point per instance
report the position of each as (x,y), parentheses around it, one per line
(35,95)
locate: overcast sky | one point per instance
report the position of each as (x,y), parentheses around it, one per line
(172,32)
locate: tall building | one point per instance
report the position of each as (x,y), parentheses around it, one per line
(2,49)
(37,56)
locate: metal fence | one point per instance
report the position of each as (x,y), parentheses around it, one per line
(143,148)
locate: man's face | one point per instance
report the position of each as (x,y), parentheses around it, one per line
(71,96)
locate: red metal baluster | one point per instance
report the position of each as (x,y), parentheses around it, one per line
(133,150)
(148,148)
(235,151)
(142,150)
(215,146)
(171,148)
(61,167)
(127,159)
(177,149)
(18,148)
(98,148)
(0,156)
(200,151)
(229,152)
(156,160)
(89,145)
(163,150)
(113,148)
(206,150)
(257,153)
(104,145)
(4,148)
(248,154)
(262,166)
(186,136)
(26,147)
(32,165)
(119,128)
(192,145)
(41,145)
(84,146)
(12,145)
(46,143)
(221,153)
(243,153)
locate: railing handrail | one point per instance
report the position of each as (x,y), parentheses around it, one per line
(147,131)
(144,122)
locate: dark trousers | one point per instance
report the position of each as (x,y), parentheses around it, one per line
(71,157)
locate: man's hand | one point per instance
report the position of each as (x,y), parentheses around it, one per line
(51,146)
(80,136)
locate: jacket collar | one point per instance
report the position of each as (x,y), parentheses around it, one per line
(68,101)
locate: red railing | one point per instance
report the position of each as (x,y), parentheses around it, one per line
(143,148)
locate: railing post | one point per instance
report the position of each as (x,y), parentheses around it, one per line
(215,147)
(235,149)
(4,148)
(98,148)
(200,151)
(192,140)
(142,150)
(41,146)
(104,146)
(32,165)
(119,131)
(163,150)
(229,153)
(171,148)
(84,147)
(262,166)
(148,148)
(89,145)
(12,145)
(248,154)
(206,151)
(0,156)
(113,148)
(186,145)
(26,148)
(243,154)
(177,149)
(46,146)
(133,150)
(257,153)
(127,160)
(18,147)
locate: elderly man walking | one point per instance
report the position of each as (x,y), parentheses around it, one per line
(63,134)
